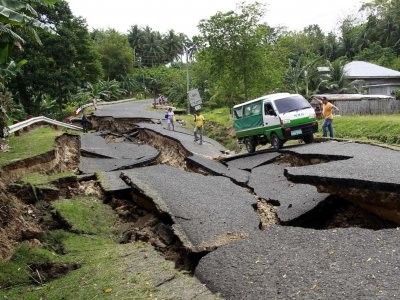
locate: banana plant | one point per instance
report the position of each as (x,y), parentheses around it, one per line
(15,14)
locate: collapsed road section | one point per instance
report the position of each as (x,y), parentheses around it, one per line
(369,177)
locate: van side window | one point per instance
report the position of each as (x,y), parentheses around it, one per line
(256,108)
(268,110)
(238,112)
(247,110)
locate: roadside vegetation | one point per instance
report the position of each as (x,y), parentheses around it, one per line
(378,128)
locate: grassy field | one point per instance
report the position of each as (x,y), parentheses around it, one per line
(379,128)
(34,142)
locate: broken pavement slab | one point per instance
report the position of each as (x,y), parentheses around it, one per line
(297,263)
(100,155)
(90,165)
(95,144)
(111,182)
(368,177)
(214,167)
(210,148)
(206,211)
(295,200)
(251,161)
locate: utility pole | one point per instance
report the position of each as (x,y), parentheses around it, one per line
(187,79)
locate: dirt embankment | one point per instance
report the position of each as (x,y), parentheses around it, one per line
(18,219)
(65,157)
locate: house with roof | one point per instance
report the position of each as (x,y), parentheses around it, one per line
(377,79)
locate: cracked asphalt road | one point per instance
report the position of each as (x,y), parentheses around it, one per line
(282,262)
(298,263)
(207,211)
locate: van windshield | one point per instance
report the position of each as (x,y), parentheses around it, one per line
(292,103)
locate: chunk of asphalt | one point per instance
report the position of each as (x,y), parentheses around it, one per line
(295,200)
(111,182)
(95,144)
(89,165)
(297,263)
(250,161)
(369,177)
(206,211)
(210,148)
(216,168)
(369,166)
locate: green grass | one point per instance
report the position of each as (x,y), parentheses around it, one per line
(374,128)
(88,215)
(35,142)
(38,179)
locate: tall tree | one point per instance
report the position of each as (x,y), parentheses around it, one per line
(65,62)
(235,42)
(117,56)
(173,46)
(153,48)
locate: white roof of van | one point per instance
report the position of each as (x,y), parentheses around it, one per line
(266,97)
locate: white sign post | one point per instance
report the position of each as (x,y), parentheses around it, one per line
(195,99)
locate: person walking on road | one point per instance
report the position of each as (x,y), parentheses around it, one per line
(198,129)
(327,112)
(170,116)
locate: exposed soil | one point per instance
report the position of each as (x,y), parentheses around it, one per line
(19,219)
(138,224)
(18,223)
(267,214)
(65,157)
(44,272)
(171,151)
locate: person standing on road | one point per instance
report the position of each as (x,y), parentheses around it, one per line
(85,122)
(198,129)
(170,119)
(327,112)
(94,101)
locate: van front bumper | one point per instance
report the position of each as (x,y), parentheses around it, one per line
(299,131)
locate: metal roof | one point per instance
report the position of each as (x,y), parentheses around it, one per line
(362,69)
(347,97)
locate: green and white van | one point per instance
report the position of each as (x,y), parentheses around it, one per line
(274,118)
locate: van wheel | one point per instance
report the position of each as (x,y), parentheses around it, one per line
(250,143)
(276,142)
(309,138)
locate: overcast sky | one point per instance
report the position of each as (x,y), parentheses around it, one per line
(184,15)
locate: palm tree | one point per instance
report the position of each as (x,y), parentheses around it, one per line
(153,50)
(173,46)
